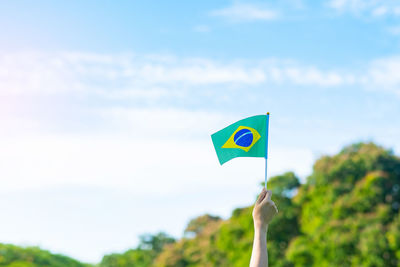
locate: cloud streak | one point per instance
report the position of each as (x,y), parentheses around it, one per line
(369,7)
(245,13)
(155,78)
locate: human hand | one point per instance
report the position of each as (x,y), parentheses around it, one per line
(264,210)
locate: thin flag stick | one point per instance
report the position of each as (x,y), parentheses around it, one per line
(266,150)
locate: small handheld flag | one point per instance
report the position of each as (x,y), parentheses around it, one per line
(245,138)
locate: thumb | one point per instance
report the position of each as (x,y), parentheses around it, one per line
(261,197)
(267,196)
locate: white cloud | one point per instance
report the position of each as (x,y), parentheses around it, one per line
(146,78)
(312,76)
(154,79)
(380,11)
(157,78)
(383,74)
(353,5)
(376,8)
(246,12)
(202,73)
(120,75)
(378,75)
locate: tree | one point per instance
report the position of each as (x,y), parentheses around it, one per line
(144,255)
(14,256)
(349,200)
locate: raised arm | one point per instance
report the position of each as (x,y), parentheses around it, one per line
(264,210)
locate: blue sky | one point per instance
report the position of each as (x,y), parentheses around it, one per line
(107,108)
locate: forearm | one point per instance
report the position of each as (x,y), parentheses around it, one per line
(259,256)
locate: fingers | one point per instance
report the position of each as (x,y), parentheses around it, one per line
(267,200)
(267,197)
(261,196)
(274,205)
(269,194)
(271,204)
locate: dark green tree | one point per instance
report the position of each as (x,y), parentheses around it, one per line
(348,209)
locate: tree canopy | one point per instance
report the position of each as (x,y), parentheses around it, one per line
(14,256)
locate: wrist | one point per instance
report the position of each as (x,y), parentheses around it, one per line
(260,227)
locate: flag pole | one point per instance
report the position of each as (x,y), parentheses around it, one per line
(266,150)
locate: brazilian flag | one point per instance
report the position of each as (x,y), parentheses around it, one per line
(245,138)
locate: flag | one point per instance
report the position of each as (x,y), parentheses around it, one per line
(245,138)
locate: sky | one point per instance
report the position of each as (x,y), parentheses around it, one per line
(107,108)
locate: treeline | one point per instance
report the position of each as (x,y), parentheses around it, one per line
(14,256)
(345,214)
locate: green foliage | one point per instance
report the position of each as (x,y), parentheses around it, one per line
(300,252)
(235,237)
(154,242)
(197,225)
(393,237)
(228,243)
(14,256)
(346,214)
(197,250)
(283,184)
(133,257)
(148,249)
(347,205)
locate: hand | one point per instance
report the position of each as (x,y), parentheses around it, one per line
(264,210)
